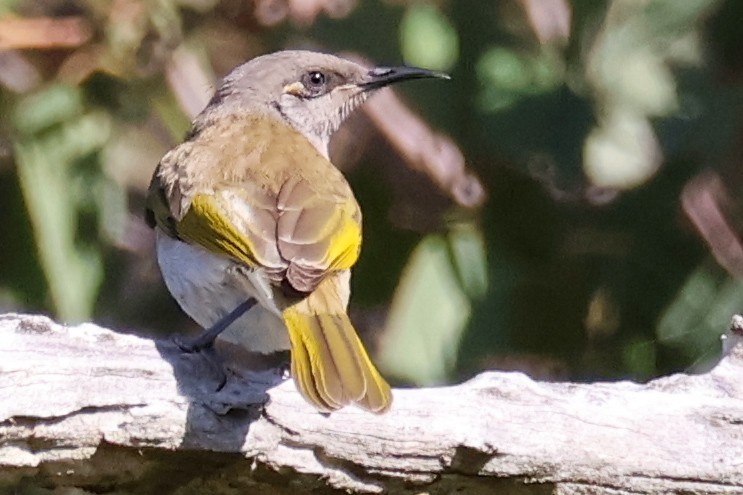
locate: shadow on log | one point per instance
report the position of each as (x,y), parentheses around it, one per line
(88,408)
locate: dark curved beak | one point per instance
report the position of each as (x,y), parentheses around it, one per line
(379,77)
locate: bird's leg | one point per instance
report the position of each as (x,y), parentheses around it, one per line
(207,337)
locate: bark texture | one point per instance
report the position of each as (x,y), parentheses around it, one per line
(106,412)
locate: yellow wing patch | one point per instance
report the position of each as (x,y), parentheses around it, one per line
(205,225)
(316,245)
(345,244)
(319,231)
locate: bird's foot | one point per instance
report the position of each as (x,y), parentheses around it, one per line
(190,345)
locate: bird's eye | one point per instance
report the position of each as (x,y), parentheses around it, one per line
(315,79)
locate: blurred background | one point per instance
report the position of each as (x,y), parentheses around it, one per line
(567,205)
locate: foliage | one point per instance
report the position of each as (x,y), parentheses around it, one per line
(606,134)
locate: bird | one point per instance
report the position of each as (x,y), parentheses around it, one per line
(257,231)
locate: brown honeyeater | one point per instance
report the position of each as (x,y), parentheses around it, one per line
(257,230)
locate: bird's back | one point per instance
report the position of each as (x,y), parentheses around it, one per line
(248,149)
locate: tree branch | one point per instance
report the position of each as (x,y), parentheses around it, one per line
(90,408)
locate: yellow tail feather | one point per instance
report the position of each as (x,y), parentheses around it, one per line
(329,362)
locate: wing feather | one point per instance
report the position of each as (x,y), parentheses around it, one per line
(292,214)
(317,233)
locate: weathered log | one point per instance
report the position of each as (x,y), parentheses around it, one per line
(102,411)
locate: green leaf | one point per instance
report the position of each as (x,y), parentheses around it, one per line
(428,39)
(639,358)
(73,271)
(507,76)
(46,108)
(428,315)
(469,257)
(701,311)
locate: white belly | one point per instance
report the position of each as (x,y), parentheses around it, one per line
(208,287)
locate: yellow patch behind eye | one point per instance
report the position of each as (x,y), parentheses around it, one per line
(295,88)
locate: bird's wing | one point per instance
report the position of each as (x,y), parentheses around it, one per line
(157,211)
(236,224)
(317,232)
(298,235)
(281,205)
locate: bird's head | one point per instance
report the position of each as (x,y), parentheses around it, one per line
(313,92)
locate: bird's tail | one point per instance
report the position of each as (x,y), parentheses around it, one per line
(329,363)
